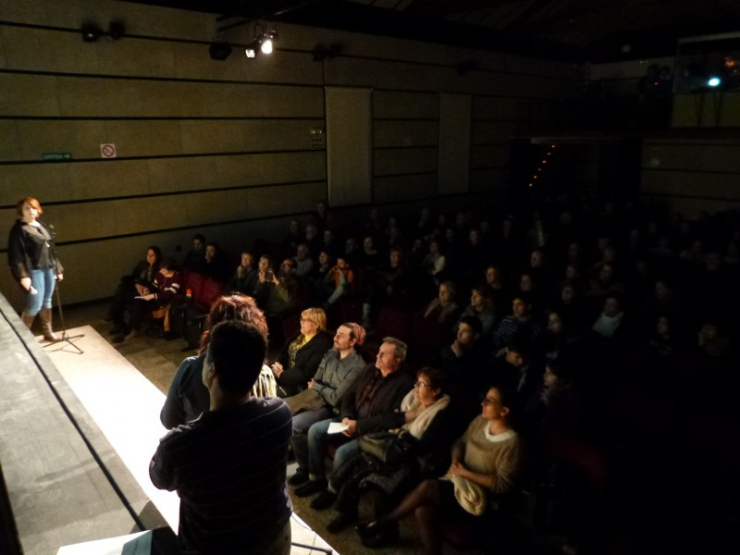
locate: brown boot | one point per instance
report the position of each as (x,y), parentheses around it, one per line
(27,319)
(49,335)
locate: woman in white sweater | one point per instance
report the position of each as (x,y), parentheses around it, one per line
(485,461)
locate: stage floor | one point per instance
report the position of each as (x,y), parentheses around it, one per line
(125,405)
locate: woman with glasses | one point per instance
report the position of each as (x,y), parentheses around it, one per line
(486,462)
(297,363)
(425,427)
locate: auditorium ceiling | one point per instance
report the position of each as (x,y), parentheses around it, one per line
(577,30)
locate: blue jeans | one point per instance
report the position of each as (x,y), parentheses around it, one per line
(43,281)
(317,436)
(302,422)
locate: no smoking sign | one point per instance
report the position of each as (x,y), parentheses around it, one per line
(108,150)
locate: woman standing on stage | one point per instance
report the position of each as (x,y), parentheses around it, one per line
(34,264)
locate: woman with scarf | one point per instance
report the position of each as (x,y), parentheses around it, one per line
(486,462)
(425,428)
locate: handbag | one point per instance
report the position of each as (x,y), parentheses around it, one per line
(306,400)
(387,447)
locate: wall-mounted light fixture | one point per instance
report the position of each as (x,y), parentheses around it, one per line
(262,43)
(91,32)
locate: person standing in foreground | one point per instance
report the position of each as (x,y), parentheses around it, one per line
(34,264)
(228,466)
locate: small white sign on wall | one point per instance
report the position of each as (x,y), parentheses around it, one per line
(108,150)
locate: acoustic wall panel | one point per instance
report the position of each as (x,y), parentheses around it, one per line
(454,143)
(349,145)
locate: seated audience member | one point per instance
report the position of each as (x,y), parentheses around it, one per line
(304,262)
(495,281)
(331,244)
(317,279)
(663,340)
(569,306)
(443,309)
(610,322)
(370,406)
(302,354)
(481,306)
(557,406)
(245,277)
(521,322)
(392,279)
(196,258)
(433,264)
(293,238)
(369,258)
(339,280)
(424,424)
(486,462)
(312,238)
(539,271)
(285,290)
(518,370)
(475,256)
(138,283)
(265,281)
(604,284)
(558,337)
(464,362)
(713,344)
(163,290)
(215,266)
(228,467)
(323,217)
(351,251)
(188,396)
(337,373)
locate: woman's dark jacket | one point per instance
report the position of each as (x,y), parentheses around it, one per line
(29,248)
(307,360)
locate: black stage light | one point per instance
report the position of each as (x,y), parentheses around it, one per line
(91,32)
(219,50)
(116,30)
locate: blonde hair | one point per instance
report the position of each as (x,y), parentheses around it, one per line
(315,315)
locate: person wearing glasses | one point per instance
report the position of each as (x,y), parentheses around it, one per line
(299,360)
(486,463)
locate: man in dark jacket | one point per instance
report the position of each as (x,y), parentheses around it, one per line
(368,407)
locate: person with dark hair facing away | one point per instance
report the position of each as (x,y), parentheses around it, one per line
(337,373)
(557,406)
(368,407)
(228,466)
(195,260)
(518,371)
(486,464)
(188,397)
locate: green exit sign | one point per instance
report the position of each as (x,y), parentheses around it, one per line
(56,156)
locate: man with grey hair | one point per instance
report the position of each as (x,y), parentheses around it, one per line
(368,407)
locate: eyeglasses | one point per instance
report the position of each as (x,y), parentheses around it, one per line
(307,320)
(490,402)
(421,384)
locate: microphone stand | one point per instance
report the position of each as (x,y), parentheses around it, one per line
(65,338)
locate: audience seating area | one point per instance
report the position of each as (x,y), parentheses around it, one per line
(644,433)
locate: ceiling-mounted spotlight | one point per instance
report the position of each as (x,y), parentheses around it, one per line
(91,32)
(263,43)
(219,50)
(714,82)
